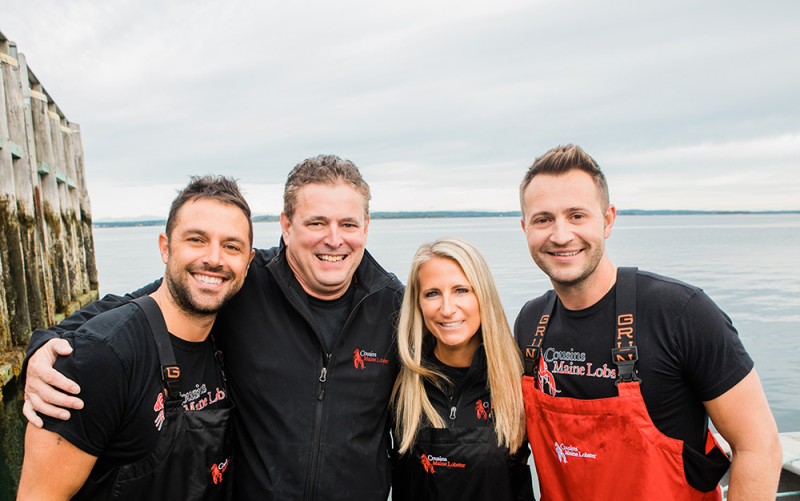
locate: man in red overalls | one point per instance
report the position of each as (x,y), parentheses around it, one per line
(624,367)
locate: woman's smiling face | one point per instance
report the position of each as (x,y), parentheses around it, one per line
(451,311)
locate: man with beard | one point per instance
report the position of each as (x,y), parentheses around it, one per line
(625,367)
(311,422)
(157,420)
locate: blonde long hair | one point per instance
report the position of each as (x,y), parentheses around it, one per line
(409,399)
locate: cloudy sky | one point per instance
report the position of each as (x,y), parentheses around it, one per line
(442,104)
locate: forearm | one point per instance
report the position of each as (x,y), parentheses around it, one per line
(755,473)
(752,434)
(80,317)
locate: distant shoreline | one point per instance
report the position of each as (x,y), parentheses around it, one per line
(461,214)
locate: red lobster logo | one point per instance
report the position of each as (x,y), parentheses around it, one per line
(545,376)
(159,407)
(427,464)
(357,360)
(217,469)
(480,410)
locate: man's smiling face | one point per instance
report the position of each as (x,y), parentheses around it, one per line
(207,255)
(566,226)
(326,237)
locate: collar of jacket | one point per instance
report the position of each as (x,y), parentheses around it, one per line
(477,368)
(370,276)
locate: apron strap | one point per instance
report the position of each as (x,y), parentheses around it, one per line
(625,354)
(534,350)
(220,363)
(170,372)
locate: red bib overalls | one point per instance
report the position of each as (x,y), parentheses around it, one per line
(609,448)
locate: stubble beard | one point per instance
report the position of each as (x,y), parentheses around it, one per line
(182,296)
(576,281)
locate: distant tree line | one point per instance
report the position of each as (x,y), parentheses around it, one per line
(450,214)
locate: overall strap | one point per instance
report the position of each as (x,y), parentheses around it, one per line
(220,363)
(534,350)
(170,372)
(625,354)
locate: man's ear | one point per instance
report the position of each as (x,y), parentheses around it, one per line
(285,226)
(252,253)
(163,246)
(610,217)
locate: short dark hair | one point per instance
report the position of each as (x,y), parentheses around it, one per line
(323,169)
(220,188)
(561,160)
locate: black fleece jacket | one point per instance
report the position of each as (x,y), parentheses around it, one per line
(467,405)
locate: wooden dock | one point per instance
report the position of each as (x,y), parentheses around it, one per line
(47,265)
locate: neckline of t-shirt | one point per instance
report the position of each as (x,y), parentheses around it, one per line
(331,304)
(591,310)
(185,345)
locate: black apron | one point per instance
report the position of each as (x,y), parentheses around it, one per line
(192,457)
(454,463)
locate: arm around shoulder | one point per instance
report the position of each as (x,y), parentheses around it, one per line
(41,382)
(743,418)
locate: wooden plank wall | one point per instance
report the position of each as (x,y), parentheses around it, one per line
(47,264)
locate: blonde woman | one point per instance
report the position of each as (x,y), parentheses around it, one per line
(459,415)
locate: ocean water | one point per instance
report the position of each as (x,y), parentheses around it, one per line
(748,264)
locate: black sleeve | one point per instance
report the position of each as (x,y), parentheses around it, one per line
(522,324)
(521,479)
(714,358)
(73,322)
(91,428)
(516,330)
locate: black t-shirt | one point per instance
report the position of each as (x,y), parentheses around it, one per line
(115,362)
(331,315)
(689,352)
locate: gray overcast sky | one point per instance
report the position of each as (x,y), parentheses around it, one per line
(442,104)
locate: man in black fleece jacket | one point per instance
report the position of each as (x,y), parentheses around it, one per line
(309,347)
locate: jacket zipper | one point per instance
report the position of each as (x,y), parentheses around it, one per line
(323,377)
(454,408)
(311,486)
(459,391)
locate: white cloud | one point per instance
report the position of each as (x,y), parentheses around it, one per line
(784,146)
(443,104)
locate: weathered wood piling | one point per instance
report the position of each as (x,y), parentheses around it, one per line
(47,264)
